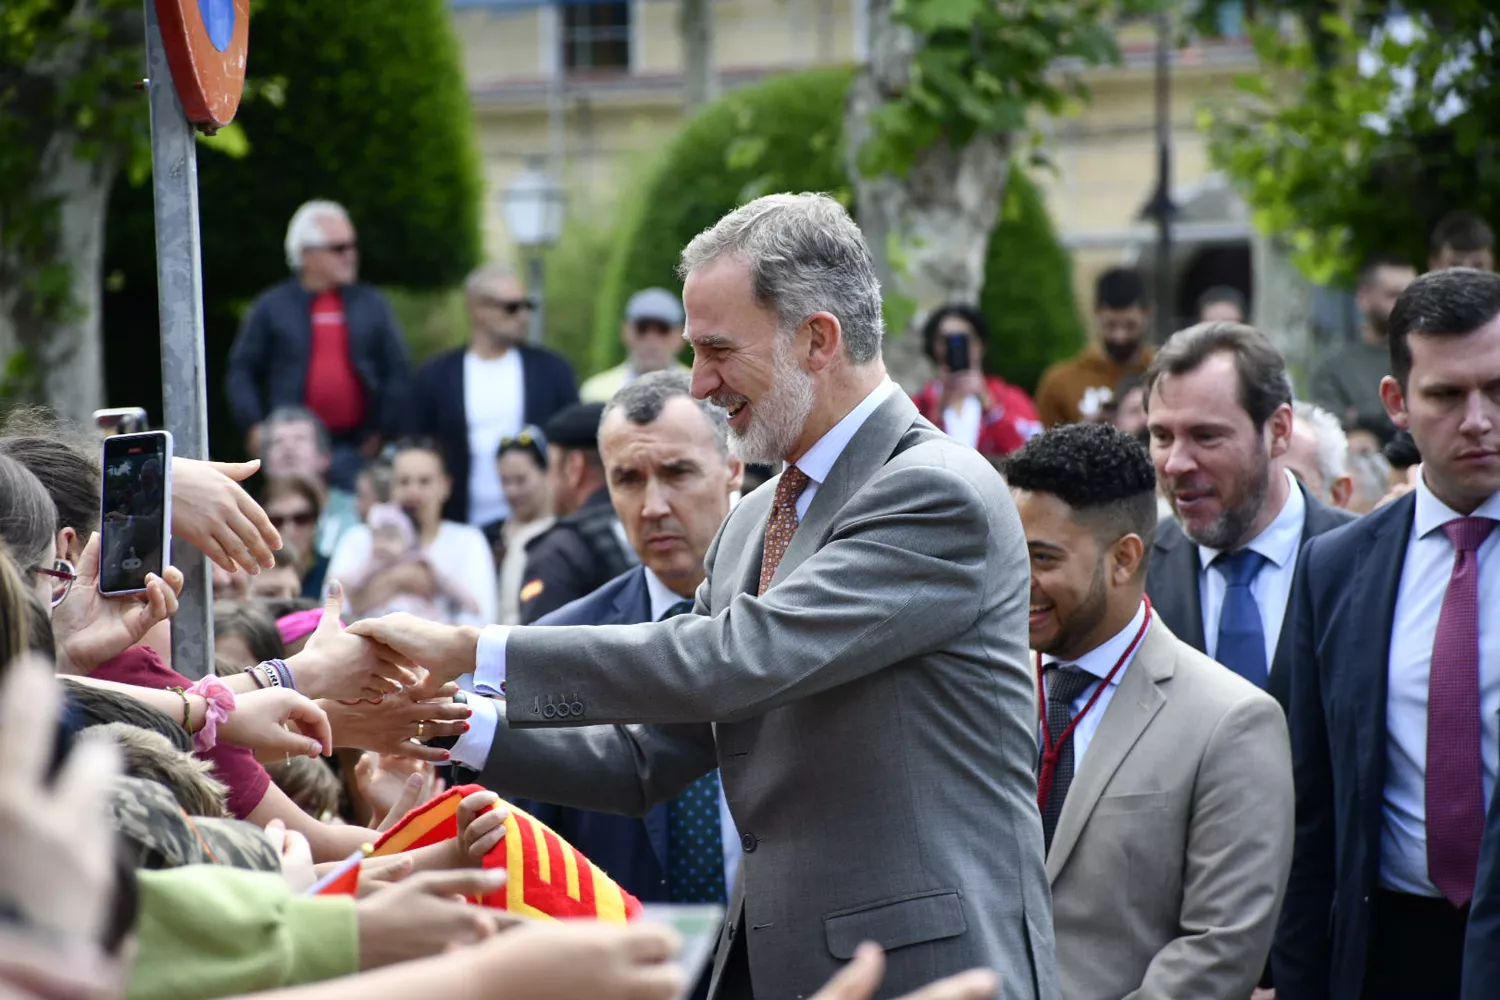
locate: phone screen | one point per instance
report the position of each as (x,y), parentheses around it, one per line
(958,352)
(134,510)
(699,926)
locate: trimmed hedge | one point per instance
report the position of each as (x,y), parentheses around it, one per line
(786,134)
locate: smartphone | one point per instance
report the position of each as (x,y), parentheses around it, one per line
(699,926)
(135,536)
(958,352)
(121,420)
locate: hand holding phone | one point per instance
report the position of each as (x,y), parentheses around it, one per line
(135,513)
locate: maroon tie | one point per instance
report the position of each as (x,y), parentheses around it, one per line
(782,524)
(1455,775)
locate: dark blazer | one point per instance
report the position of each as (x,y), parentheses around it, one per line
(631,850)
(267,364)
(1482,943)
(435,408)
(1173,573)
(1338,635)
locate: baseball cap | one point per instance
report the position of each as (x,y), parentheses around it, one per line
(654,303)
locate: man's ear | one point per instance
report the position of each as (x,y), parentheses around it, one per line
(825,338)
(1125,558)
(1279,425)
(736,474)
(1341,491)
(1394,398)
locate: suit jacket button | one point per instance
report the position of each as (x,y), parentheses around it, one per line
(748,842)
(577,708)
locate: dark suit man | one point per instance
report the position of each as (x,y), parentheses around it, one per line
(1221,569)
(671,480)
(1393,657)
(470,398)
(1482,942)
(856,664)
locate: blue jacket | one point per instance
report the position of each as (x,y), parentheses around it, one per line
(435,409)
(631,851)
(268,362)
(1482,943)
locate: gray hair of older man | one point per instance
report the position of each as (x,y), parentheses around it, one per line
(805,255)
(290,414)
(305,229)
(642,400)
(1333,443)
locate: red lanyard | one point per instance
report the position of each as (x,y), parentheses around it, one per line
(1052,750)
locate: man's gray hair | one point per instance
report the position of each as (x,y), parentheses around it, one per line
(297,415)
(1333,443)
(642,400)
(483,276)
(305,230)
(805,255)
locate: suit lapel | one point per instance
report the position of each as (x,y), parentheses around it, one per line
(1377,579)
(1135,703)
(1173,584)
(862,457)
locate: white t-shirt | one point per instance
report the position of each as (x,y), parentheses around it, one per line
(494,405)
(962,424)
(459,550)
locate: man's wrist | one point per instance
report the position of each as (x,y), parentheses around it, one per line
(465,653)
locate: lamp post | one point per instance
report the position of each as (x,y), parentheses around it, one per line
(534,205)
(1161,208)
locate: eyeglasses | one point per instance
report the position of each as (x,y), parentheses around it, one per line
(651,326)
(302,519)
(348,246)
(62,575)
(508,306)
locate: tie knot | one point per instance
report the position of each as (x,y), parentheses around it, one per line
(680,608)
(793,481)
(1066,683)
(1468,533)
(1240,568)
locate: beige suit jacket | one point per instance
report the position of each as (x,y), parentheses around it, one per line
(1174,845)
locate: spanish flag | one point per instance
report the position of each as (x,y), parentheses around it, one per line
(549,878)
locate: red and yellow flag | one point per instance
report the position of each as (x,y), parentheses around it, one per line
(549,878)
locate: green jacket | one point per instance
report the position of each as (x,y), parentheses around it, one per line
(209,931)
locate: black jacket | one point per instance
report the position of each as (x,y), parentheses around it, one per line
(268,362)
(435,408)
(575,557)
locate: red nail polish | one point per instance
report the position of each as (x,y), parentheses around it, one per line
(446,755)
(466,727)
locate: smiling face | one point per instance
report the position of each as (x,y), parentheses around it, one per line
(1069,587)
(743,363)
(670,485)
(1213,464)
(1451,405)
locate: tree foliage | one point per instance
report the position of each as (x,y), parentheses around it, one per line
(1365,127)
(786,134)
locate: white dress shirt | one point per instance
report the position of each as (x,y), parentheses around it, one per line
(1419,600)
(1098,661)
(963,422)
(1280,543)
(818,461)
(494,406)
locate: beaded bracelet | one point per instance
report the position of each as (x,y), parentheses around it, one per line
(187,708)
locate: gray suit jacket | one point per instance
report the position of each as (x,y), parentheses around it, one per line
(1174,845)
(873,719)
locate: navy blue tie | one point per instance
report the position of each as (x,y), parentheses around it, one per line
(1242,637)
(695,846)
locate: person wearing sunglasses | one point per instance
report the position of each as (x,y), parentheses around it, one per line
(294,507)
(652,335)
(470,398)
(322,340)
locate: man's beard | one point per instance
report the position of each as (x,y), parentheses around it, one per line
(777,420)
(1232,524)
(1084,619)
(1379,325)
(1120,353)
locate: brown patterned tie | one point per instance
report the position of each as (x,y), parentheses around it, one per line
(782,524)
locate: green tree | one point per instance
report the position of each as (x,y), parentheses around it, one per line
(364,103)
(1365,127)
(786,135)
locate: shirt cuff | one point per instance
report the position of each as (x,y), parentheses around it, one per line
(473,748)
(489,660)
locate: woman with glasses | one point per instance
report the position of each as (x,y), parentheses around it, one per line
(294,505)
(28,526)
(523,478)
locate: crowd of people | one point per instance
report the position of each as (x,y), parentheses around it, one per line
(1165,683)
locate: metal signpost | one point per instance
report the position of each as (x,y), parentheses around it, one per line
(195,59)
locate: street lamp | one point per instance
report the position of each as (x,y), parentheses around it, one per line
(534,205)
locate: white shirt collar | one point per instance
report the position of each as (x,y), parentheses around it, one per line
(1431,513)
(1281,538)
(1100,660)
(663,598)
(818,461)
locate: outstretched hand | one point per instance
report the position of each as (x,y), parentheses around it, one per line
(335,664)
(211,510)
(859,979)
(91,628)
(276,723)
(446,651)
